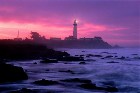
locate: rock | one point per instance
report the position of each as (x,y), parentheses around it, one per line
(136,57)
(111,89)
(81,55)
(121,58)
(88,86)
(112,62)
(45,82)
(71,58)
(116,56)
(134,54)
(108,83)
(83,51)
(76,55)
(97,55)
(89,55)
(77,80)
(105,52)
(82,63)
(90,60)
(94,87)
(108,56)
(49,61)
(68,71)
(35,63)
(10,73)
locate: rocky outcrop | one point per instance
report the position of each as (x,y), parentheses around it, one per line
(71,58)
(45,82)
(10,73)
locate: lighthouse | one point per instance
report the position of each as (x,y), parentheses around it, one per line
(75,29)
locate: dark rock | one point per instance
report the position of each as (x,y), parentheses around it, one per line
(88,86)
(83,51)
(49,60)
(97,55)
(122,58)
(45,82)
(109,56)
(26,50)
(108,83)
(90,60)
(77,80)
(112,62)
(134,54)
(136,57)
(111,89)
(71,58)
(82,63)
(10,73)
(89,55)
(94,87)
(67,71)
(105,52)
(76,55)
(81,55)
(47,70)
(35,63)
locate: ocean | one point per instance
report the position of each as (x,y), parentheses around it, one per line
(115,67)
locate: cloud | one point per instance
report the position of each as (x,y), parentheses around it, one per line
(117,19)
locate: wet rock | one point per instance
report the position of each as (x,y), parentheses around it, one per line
(10,73)
(82,63)
(112,62)
(81,55)
(122,58)
(49,60)
(35,63)
(88,86)
(109,56)
(67,71)
(47,70)
(136,57)
(94,87)
(97,55)
(105,52)
(45,82)
(108,83)
(90,60)
(89,55)
(76,55)
(71,58)
(111,89)
(77,80)
(134,54)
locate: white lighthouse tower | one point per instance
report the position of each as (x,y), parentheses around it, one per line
(75,29)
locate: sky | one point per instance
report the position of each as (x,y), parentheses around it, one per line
(116,21)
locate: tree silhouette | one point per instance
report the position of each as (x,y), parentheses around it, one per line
(37,37)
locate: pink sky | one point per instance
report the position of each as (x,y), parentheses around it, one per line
(117,22)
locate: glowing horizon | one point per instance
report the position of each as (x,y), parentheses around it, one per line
(111,20)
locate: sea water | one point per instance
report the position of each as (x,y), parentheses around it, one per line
(123,73)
